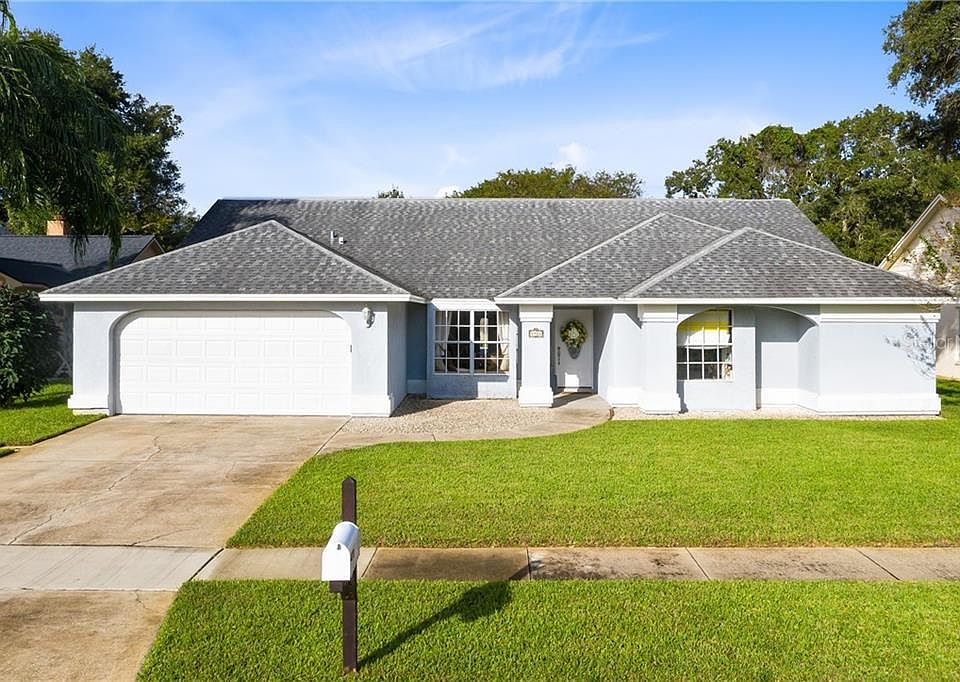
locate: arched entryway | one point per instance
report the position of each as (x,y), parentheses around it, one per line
(787,358)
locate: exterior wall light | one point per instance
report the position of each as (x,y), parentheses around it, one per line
(368,315)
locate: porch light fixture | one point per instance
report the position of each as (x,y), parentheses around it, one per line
(367,315)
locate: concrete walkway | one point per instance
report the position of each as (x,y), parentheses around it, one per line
(559,563)
(422,419)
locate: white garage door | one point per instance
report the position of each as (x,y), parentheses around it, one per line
(234,363)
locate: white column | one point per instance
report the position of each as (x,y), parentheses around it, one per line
(659,351)
(535,389)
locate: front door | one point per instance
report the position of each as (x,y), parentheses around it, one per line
(574,365)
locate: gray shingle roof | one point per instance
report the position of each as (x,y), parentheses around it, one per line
(751,264)
(515,248)
(52,261)
(478,248)
(263,259)
(621,262)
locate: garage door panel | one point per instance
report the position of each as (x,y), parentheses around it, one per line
(234,363)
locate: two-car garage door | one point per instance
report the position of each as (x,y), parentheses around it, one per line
(215,362)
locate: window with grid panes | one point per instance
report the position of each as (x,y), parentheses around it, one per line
(705,346)
(471,342)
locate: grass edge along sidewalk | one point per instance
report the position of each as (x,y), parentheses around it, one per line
(564,630)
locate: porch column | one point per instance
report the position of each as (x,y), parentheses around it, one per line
(659,350)
(535,389)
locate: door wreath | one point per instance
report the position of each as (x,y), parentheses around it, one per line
(573,334)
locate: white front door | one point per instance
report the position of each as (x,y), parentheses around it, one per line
(574,373)
(220,362)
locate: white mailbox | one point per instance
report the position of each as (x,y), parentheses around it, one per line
(341,553)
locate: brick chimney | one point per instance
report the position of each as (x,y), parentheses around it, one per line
(57,227)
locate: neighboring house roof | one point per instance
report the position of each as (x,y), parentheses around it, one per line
(51,261)
(914,232)
(507,249)
(264,258)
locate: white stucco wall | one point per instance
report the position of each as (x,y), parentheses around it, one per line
(94,349)
(620,364)
(877,360)
(787,356)
(396,353)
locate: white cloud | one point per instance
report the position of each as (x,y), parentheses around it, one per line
(446,191)
(573,154)
(469,47)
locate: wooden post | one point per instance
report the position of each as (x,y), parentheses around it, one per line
(348,512)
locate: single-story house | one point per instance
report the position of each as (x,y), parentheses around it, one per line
(346,306)
(935,229)
(40,262)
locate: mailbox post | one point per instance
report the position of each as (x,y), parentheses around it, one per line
(339,567)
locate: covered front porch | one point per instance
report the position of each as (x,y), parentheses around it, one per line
(705,357)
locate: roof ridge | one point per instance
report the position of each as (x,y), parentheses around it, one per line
(575,257)
(684,262)
(427,199)
(170,253)
(339,256)
(698,222)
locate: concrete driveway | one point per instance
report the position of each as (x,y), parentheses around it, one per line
(165,481)
(184,482)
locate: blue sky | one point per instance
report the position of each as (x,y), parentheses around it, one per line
(315,99)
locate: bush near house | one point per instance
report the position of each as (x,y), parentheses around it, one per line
(28,345)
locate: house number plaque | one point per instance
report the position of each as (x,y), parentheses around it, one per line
(535,333)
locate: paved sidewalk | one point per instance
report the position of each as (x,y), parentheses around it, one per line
(83,568)
(559,563)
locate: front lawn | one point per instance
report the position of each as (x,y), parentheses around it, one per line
(42,416)
(251,630)
(709,482)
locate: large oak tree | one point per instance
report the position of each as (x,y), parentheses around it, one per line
(557,183)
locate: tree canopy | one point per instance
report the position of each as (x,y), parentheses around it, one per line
(925,39)
(53,131)
(862,180)
(110,172)
(548,183)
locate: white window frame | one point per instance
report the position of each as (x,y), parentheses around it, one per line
(703,348)
(502,346)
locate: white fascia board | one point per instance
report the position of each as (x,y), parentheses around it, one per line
(243,298)
(464,304)
(931,301)
(558,301)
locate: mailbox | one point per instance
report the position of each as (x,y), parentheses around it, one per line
(340,556)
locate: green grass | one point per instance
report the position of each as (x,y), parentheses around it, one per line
(680,482)
(41,416)
(252,630)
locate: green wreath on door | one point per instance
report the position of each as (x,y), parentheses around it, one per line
(573,334)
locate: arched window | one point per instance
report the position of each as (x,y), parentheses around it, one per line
(705,346)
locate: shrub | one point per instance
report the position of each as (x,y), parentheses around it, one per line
(28,345)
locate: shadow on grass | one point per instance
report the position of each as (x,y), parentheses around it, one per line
(474,604)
